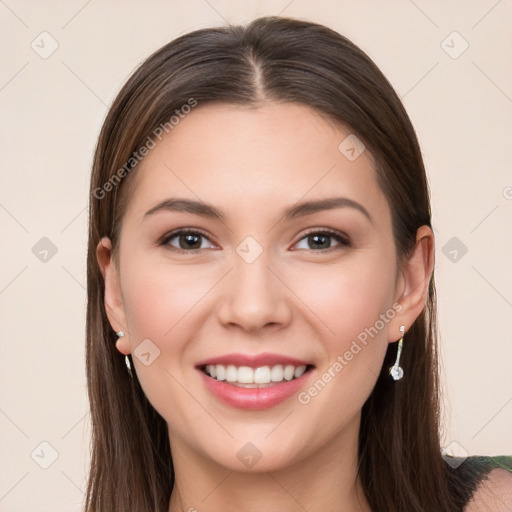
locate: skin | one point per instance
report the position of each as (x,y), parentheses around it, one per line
(294,299)
(493,493)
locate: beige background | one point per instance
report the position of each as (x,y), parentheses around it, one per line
(52,109)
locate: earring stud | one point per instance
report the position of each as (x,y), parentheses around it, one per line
(396,371)
(120,334)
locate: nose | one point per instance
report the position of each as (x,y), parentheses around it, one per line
(255,297)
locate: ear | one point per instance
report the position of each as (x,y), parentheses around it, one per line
(113,297)
(413,282)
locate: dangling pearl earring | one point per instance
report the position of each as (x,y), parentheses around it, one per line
(396,371)
(120,334)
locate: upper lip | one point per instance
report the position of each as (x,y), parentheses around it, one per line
(254,360)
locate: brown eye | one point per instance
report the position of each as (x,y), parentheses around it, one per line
(187,241)
(322,240)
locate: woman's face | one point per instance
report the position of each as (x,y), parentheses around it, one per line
(263,283)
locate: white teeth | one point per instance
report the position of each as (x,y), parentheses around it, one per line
(245,375)
(220,371)
(260,375)
(289,371)
(299,371)
(276,374)
(231,373)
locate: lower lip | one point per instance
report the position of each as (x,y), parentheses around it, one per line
(254,398)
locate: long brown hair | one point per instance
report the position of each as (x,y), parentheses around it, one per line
(279,60)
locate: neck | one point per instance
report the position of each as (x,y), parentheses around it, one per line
(324,480)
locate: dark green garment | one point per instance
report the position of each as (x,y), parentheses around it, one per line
(467,473)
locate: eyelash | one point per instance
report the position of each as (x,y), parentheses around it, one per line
(343,240)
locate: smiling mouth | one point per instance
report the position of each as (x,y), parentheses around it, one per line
(260,377)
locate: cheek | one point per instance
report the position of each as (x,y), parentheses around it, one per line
(161,302)
(166,304)
(349,296)
(158,297)
(354,303)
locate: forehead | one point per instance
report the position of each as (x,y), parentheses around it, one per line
(253,158)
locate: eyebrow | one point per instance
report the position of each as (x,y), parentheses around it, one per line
(298,210)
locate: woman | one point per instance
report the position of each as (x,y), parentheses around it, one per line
(260,239)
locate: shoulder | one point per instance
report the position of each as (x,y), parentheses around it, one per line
(493,493)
